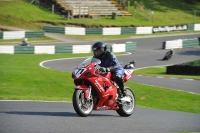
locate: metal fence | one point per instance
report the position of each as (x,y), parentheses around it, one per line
(152,15)
(124,3)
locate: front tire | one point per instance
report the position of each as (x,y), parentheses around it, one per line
(82,106)
(127,108)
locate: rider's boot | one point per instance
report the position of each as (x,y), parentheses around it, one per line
(121,87)
(120,93)
(120,82)
(123,91)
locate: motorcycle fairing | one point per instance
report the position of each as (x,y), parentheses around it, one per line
(79,71)
(106,92)
(127,74)
(85,89)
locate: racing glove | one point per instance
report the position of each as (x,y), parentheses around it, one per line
(104,69)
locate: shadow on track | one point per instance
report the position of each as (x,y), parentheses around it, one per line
(190,52)
(62,114)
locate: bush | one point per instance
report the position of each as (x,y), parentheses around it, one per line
(183,70)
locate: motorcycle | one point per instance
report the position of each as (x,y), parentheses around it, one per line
(24,43)
(131,65)
(96,90)
(168,55)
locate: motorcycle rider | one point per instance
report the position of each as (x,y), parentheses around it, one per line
(24,42)
(168,55)
(110,63)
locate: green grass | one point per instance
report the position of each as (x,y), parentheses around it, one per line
(21,14)
(161,71)
(23,79)
(30,40)
(163,98)
(192,63)
(25,11)
(166,12)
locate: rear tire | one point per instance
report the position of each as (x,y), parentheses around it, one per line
(82,106)
(127,108)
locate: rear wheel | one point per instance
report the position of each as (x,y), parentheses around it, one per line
(127,108)
(82,106)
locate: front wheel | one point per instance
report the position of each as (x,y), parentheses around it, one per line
(82,106)
(127,108)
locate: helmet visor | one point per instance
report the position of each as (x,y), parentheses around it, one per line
(97,52)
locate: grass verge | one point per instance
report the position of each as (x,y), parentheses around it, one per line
(23,79)
(161,71)
(30,40)
(170,12)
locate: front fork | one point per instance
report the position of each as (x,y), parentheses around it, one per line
(87,91)
(85,97)
(89,94)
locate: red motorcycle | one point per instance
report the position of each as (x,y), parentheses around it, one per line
(95,90)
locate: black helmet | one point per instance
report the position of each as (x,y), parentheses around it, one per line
(99,46)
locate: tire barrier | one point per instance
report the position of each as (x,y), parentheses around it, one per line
(194,27)
(119,30)
(99,31)
(191,42)
(96,31)
(173,44)
(181,43)
(128,46)
(21,34)
(183,70)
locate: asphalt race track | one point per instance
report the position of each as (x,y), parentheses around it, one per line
(60,117)
(53,117)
